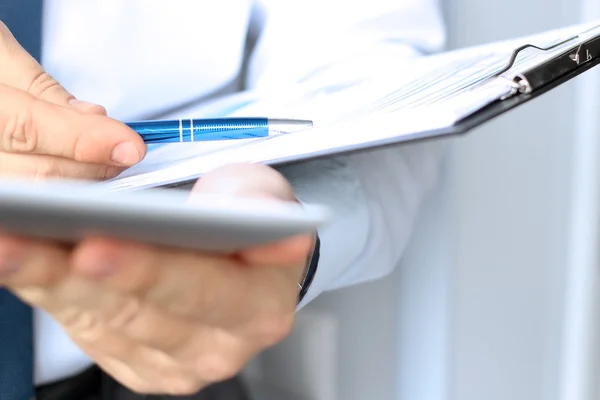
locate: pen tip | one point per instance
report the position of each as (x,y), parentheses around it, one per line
(289,125)
(291,122)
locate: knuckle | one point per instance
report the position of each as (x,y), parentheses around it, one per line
(171,378)
(84,325)
(34,294)
(97,109)
(126,315)
(181,386)
(203,297)
(5,34)
(218,367)
(190,304)
(20,132)
(42,83)
(106,172)
(80,148)
(270,329)
(142,387)
(157,359)
(46,169)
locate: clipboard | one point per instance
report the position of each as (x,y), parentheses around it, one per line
(520,78)
(538,80)
(528,84)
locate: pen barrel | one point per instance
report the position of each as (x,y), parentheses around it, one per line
(192,130)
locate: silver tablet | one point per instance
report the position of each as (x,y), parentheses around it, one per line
(70,211)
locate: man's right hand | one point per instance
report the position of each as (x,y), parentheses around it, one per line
(45,132)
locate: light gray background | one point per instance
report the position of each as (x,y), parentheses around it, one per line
(492,297)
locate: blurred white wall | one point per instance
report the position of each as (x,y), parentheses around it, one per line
(490,300)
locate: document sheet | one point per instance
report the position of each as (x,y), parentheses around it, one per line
(399,100)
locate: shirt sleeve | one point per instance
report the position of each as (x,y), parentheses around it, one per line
(299,38)
(375,196)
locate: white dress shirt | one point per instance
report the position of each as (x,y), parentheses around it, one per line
(145,58)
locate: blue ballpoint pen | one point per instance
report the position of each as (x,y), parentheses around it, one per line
(200,130)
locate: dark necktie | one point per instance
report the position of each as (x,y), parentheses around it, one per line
(24,19)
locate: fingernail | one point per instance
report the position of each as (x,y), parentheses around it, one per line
(82,105)
(125,154)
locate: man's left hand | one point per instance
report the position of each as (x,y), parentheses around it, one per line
(161,320)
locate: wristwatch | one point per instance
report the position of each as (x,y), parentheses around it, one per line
(310,270)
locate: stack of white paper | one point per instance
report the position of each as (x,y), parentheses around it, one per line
(426,94)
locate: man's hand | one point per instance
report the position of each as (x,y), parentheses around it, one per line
(161,320)
(46,132)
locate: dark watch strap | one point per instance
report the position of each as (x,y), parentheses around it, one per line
(311,269)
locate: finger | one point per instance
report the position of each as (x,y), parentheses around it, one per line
(256,303)
(114,352)
(29,125)
(287,252)
(246,180)
(44,167)
(209,356)
(205,288)
(130,346)
(93,314)
(26,262)
(120,371)
(258,181)
(144,337)
(23,72)
(151,379)
(180,281)
(144,371)
(182,340)
(150,325)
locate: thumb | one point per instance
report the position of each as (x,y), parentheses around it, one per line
(246,180)
(32,126)
(259,182)
(21,71)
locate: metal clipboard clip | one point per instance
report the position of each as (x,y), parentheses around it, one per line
(566,62)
